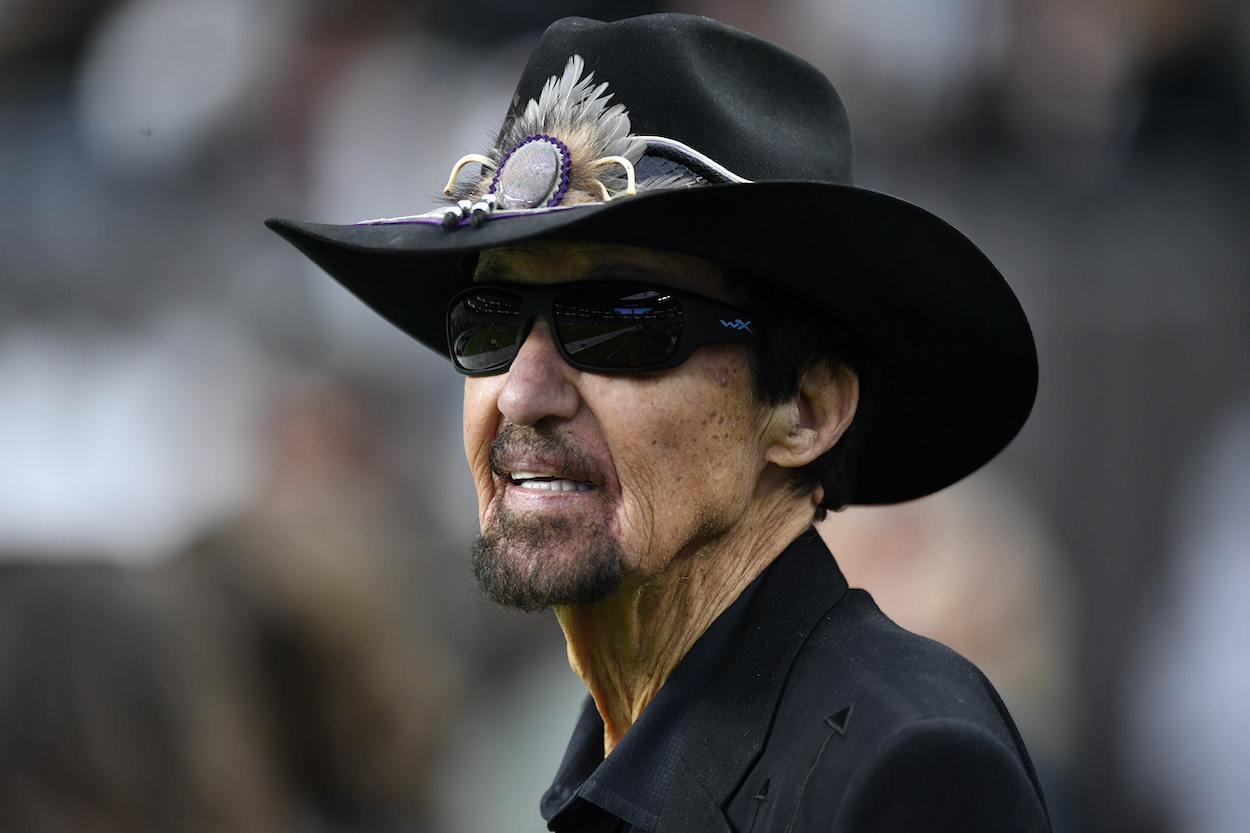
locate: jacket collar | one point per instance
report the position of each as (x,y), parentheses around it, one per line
(731,723)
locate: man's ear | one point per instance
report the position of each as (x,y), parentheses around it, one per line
(817,417)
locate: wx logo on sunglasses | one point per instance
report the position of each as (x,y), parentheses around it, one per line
(737,324)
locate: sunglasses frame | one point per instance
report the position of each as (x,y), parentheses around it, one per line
(704,321)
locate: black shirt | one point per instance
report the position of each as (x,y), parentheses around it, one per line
(626,791)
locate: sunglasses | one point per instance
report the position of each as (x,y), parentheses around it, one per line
(601,327)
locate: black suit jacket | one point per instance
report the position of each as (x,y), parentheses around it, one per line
(826,716)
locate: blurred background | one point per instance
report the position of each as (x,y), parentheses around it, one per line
(233,505)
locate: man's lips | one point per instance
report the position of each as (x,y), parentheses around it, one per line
(541,461)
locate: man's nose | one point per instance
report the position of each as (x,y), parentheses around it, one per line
(539,383)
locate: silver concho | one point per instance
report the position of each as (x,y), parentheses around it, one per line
(534,173)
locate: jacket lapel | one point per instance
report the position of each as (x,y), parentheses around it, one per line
(732,721)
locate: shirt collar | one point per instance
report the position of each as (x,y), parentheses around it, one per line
(633,781)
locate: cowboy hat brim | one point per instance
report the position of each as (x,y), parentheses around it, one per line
(952,354)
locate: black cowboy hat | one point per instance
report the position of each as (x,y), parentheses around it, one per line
(739,152)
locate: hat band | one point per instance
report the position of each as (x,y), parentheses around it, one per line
(687,160)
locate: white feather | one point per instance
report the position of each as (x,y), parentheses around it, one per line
(572,108)
(572,105)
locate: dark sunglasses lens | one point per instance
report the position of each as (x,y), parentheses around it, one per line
(616,328)
(484,327)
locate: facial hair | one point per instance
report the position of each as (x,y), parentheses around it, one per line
(523,561)
(511,569)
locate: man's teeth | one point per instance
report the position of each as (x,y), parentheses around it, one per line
(547,482)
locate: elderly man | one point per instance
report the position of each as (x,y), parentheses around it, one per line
(686,336)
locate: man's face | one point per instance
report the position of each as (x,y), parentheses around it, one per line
(585,480)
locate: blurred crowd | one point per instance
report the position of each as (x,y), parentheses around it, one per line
(233,506)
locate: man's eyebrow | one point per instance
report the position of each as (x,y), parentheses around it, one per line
(499,271)
(491,271)
(625,272)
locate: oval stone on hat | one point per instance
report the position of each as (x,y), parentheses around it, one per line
(534,173)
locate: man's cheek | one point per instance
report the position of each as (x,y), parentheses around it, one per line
(480,420)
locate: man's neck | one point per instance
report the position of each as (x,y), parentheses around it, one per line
(625,647)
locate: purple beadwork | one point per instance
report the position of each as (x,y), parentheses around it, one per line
(534,173)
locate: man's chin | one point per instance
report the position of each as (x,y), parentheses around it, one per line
(532,563)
